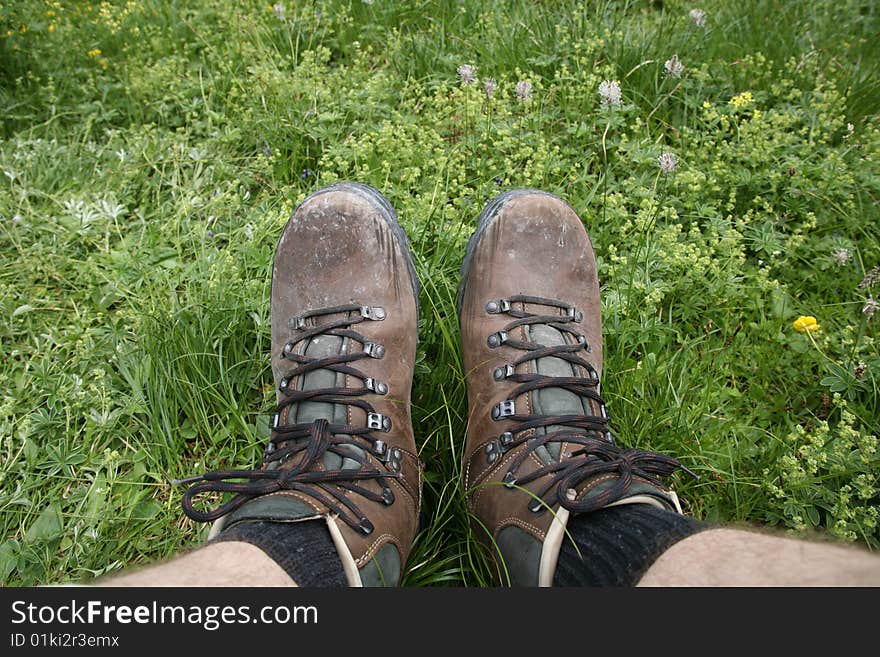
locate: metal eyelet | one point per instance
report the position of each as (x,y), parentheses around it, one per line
(574,314)
(493,451)
(283,383)
(497,339)
(603,412)
(276,418)
(500,306)
(592,371)
(503,372)
(365,526)
(377,387)
(287,349)
(504,409)
(582,340)
(391,457)
(376,313)
(509,480)
(297,323)
(536,506)
(394,457)
(499,446)
(378,421)
(387,496)
(374,349)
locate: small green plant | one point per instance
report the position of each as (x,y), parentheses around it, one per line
(827,475)
(724,164)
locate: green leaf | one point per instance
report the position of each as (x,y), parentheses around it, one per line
(147,509)
(21,310)
(833,383)
(48,525)
(8,561)
(97,497)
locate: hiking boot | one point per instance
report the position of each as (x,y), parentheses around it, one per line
(539,446)
(344,329)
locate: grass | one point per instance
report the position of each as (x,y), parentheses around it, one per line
(152,151)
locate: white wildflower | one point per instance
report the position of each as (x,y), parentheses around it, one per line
(609,90)
(871,278)
(674,67)
(523,90)
(842,256)
(667,162)
(699,17)
(112,210)
(871,307)
(278,8)
(467,73)
(850,129)
(489,87)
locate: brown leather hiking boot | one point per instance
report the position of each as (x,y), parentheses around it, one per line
(344,331)
(538,443)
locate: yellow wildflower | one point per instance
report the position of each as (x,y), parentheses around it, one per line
(742,99)
(51,28)
(706,104)
(94,52)
(806,324)
(756,115)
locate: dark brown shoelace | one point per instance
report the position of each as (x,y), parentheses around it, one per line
(598,453)
(294,450)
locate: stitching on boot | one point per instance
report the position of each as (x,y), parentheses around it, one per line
(482,488)
(522,524)
(302,498)
(375,547)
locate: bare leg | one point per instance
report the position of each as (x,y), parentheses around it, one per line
(733,557)
(220,564)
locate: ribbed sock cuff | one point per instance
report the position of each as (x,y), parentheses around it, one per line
(304,549)
(618,544)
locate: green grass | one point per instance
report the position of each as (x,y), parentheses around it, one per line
(145,186)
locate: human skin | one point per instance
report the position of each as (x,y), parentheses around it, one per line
(715,557)
(229,563)
(734,557)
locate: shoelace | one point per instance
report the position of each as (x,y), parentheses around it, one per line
(598,453)
(312,440)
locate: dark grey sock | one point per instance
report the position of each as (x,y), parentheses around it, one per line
(618,544)
(303,549)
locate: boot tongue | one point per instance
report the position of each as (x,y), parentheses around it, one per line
(288,509)
(557,401)
(554,401)
(322,346)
